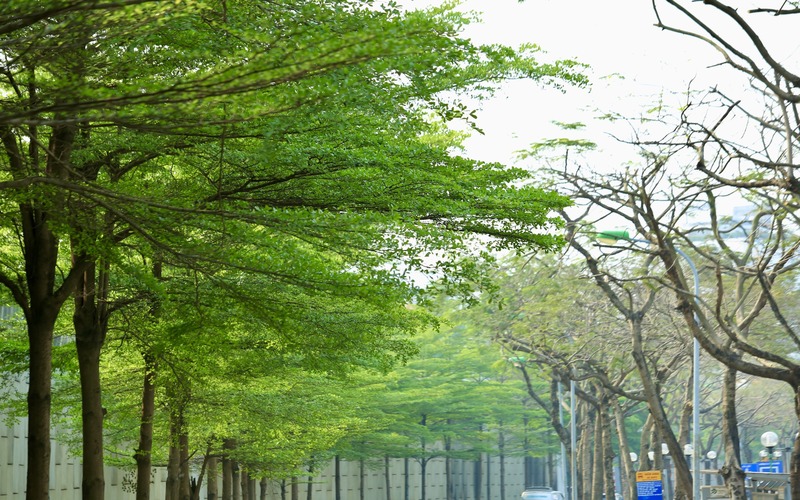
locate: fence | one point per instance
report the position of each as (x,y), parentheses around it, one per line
(65,477)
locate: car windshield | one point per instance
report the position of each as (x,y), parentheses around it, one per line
(537,495)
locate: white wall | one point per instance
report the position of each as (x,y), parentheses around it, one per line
(65,477)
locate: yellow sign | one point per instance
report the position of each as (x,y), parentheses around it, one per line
(648,475)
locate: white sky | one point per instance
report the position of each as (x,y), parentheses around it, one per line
(615,37)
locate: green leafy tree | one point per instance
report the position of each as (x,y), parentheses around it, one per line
(213,135)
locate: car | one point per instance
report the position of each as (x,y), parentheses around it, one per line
(541,494)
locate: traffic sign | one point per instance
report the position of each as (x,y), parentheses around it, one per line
(648,485)
(774,466)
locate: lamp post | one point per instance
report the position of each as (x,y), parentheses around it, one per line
(667,469)
(769,440)
(711,457)
(614,236)
(573,431)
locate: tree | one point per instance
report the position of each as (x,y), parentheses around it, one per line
(175,126)
(656,202)
(559,323)
(718,162)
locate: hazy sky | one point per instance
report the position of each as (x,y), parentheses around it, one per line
(634,63)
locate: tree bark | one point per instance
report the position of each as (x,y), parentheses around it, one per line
(627,474)
(423,471)
(235,484)
(794,466)
(244,481)
(173,485)
(362,479)
(212,481)
(598,459)
(40,338)
(184,484)
(337,479)
(90,322)
(448,469)
(731,472)
(683,476)
(386,478)
(227,469)
(310,483)
(143,454)
(608,452)
(585,418)
(501,446)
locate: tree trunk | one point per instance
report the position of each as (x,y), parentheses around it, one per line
(93,482)
(406,475)
(235,484)
(608,451)
(185,487)
(683,477)
(310,484)
(295,488)
(644,446)
(212,481)
(501,445)
(144,451)
(362,479)
(337,479)
(423,472)
(627,474)
(172,484)
(263,488)
(143,454)
(227,469)
(386,478)
(585,418)
(196,486)
(732,473)
(90,320)
(477,475)
(448,468)
(597,458)
(40,338)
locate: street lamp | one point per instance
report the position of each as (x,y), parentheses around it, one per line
(611,237)
(769,440)
(688,450)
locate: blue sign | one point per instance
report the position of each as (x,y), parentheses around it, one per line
(769,466)
(649,490)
